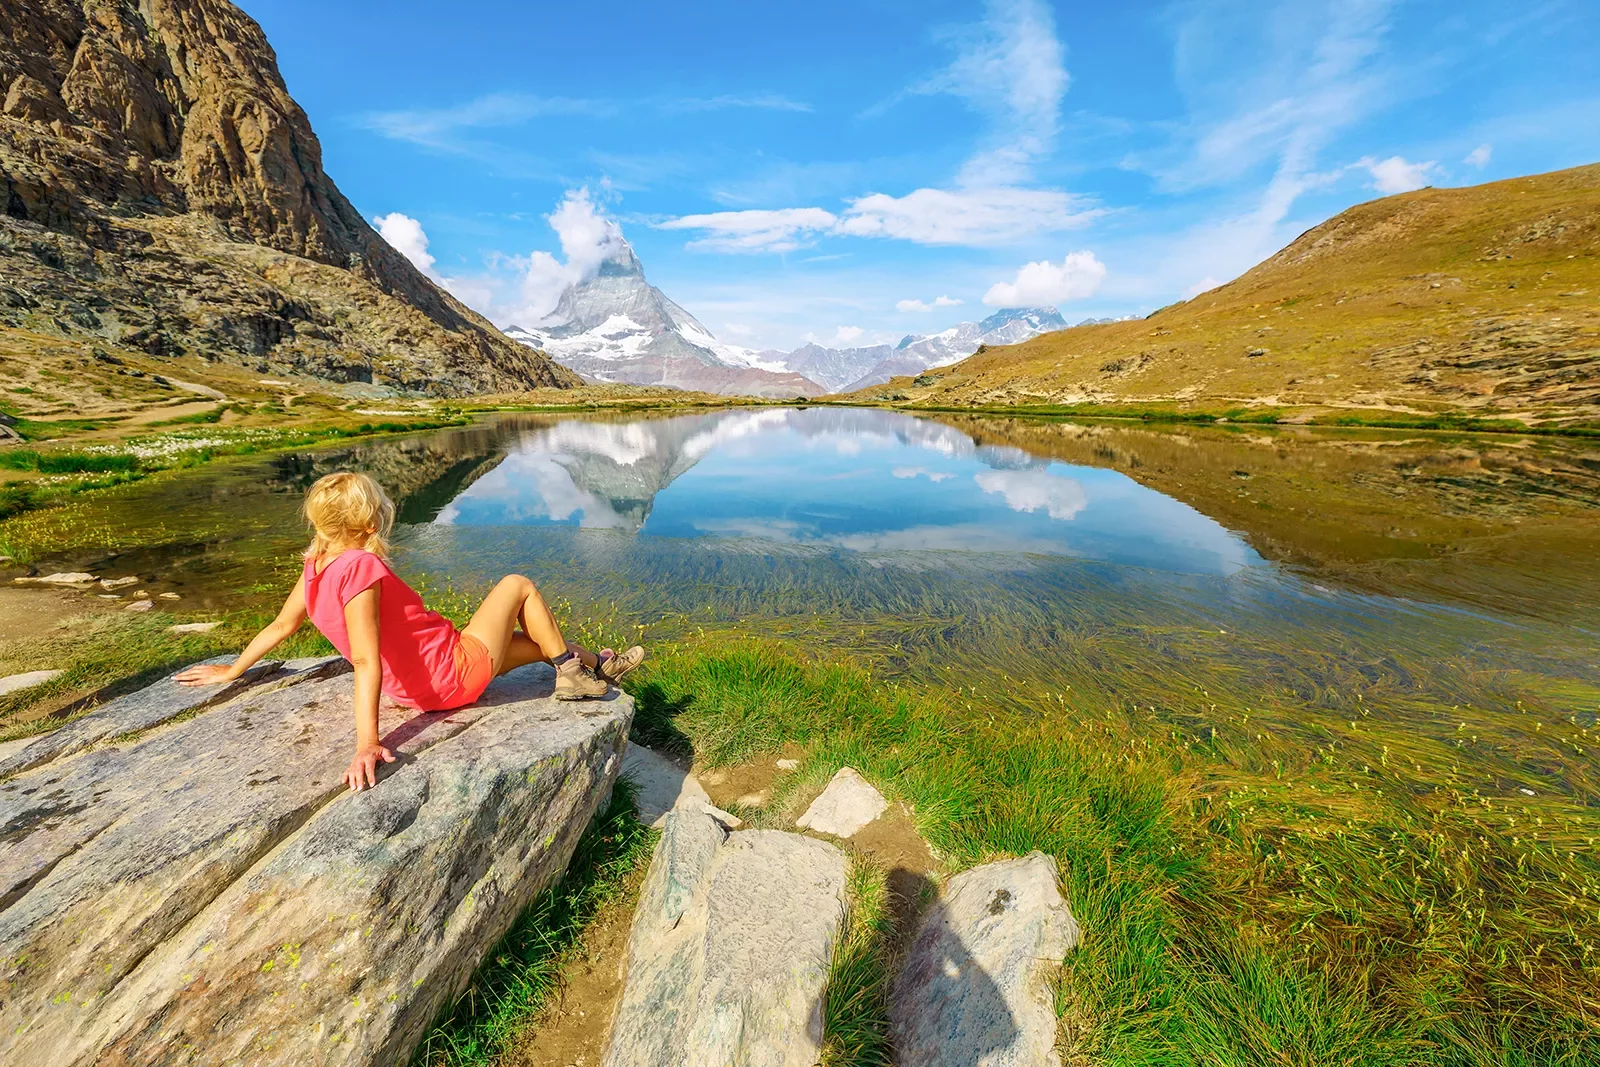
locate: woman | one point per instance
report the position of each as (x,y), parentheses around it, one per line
(397,646)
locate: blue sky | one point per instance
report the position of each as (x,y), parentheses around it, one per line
(852,172)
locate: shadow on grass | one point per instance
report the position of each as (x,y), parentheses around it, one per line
(653,720)
(518,978)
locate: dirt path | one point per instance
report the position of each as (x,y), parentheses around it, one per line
(572,1031)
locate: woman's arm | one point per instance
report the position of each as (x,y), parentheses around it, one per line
(361,621)
(271,636)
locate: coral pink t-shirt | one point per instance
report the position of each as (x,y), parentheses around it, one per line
(416,646)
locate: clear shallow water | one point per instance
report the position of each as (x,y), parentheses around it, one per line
(855,481)
(1271,593)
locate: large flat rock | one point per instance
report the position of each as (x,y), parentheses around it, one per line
(730,947)
(201,889)
(975,988)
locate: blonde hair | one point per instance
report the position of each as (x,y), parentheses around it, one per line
(345,510)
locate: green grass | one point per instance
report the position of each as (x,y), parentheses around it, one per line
(28,459)
(1266,918)
(525,969)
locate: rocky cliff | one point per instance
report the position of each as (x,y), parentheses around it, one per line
(163,192)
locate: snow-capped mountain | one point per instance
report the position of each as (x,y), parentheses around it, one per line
(617,327)
(914,354)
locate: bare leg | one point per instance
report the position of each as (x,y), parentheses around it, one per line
(513,601)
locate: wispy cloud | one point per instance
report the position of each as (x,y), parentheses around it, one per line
(973,218)
(760,102)
(1008,68)
(780,230)
(441,128)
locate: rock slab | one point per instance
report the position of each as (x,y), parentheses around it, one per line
(849,803)
(11,683)
(207,892)
(730,948)
(975,988)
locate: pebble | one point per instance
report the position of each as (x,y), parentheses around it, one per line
(140,605)
(194,627)
(788,764)
(109,584)
(14,682)
(170,596)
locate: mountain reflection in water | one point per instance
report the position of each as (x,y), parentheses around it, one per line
(856,480)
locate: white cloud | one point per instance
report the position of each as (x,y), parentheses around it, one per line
(1203,285)
(587,238)
(755,231)
(974,218)
(918,305)
(737,329)
(1479,157)
(1044,283)
(846,334)
(1060,498)
(405,236)
(1396,175)
(971,217)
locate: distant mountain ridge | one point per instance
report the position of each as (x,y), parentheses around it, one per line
(913,354)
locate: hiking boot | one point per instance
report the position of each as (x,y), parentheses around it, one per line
(574,681)
(612,668)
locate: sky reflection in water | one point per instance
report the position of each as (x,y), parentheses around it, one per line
(854,480)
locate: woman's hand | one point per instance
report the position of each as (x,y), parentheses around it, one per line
(206,674)
(363,769)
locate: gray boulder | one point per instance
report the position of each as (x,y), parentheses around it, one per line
(730,948)
(207,892)
(849,803)
(975,988)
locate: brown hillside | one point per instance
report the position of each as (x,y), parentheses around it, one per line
(162,193)
(1484,300)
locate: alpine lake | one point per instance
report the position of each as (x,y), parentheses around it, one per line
(1384,638)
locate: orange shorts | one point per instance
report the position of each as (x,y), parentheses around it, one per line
(474,671)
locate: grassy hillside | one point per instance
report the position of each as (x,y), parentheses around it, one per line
(1483,301)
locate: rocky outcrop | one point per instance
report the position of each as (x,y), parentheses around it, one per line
(196,886)
(849,803)
(162,191)
(975,988)
(730,948)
